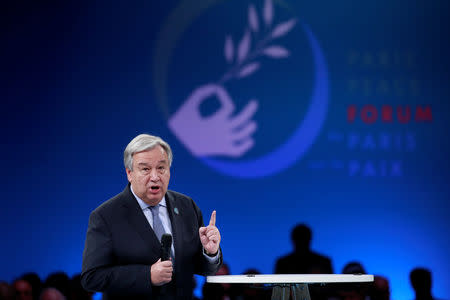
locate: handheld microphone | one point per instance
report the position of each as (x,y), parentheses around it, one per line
(166,244)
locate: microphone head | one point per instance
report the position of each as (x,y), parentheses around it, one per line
(166,244)
(166,239)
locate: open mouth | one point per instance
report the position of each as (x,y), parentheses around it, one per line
(154,188)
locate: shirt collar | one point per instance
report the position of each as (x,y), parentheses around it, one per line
(144,205)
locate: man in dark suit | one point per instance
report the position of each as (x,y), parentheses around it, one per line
(303,260)
(122,254)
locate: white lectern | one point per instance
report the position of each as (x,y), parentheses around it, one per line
(286,286)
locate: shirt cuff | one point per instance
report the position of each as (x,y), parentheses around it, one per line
(212,259)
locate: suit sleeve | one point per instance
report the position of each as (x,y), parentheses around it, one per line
(99,272)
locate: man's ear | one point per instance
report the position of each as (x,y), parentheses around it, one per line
(128,174)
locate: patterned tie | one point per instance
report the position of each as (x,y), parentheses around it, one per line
(157,224)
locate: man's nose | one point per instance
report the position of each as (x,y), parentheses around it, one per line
(154,176)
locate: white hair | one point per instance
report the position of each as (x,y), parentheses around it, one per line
(141,143)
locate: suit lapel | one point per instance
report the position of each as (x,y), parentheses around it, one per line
(136,218)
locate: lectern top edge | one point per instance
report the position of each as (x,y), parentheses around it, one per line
(291,278)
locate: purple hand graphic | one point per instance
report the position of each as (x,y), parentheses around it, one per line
(218,134)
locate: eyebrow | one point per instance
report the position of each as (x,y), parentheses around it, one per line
(145,164)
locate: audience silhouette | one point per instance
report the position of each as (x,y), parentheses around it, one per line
(254,291)
(213,291)
(59,281)
(59,286)
(353,291)
(421,282)
(6,291)
(380,289)
(35,281)
(303,260)
(222,291)
(23,289)
(51,293)
(76,290)
(354,267)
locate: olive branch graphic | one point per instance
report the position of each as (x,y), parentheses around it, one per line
(243,58)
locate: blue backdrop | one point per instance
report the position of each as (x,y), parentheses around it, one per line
(350,109)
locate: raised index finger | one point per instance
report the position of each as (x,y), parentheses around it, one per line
(212,221)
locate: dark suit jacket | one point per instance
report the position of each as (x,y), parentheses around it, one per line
(121,247)
(303,263)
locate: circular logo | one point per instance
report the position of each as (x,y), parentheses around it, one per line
(220,139)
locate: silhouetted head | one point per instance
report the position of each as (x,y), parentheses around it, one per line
(35,281)
(51,294)
(353,267)
(381,289)
(76,290)
(301,237)
(421,280)
(353,292)
(59,281)
(23,290)
(251,291)
(251,271)
(223,270)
